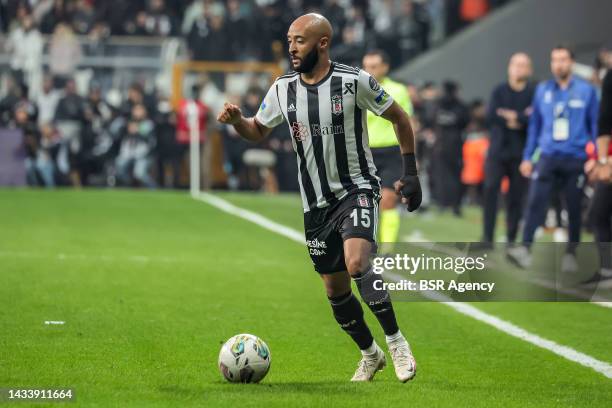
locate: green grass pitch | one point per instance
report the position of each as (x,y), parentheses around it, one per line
(150,284)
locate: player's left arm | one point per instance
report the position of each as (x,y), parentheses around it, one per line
(408,186)
(371,96)
(402,126)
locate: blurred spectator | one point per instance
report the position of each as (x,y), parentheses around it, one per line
(234,146)
(64,54)
(83,17)
(26,45)
(47,151)
(193,12)
(335,14)
(160,20)
(349,51)
(47,101)
(61,12)
(508,117)
(193,112)
(24,121)
(17,92)
(563,121)
(70,119)
(474,153)
(167,148)
(71,106)
(134,160)
(208,36)
(411,31)
(451,118)
(240,31)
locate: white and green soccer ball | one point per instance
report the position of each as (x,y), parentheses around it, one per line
(244,358)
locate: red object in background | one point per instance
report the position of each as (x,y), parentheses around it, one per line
(472,10)
(474,155)
(183,134)
(591,151)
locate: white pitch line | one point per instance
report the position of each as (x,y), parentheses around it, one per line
(568,353)
(581,294)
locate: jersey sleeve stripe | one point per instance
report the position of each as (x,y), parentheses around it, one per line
(340,138)
(317,142)
(309,190)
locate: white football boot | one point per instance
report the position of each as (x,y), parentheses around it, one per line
(369,365)
(403,360)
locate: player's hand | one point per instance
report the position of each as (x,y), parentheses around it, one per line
(409,188)
(599,172)
(590,169)
(526,168)
(604,173)
(230,115)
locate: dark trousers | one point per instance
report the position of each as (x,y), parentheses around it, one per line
(447,183)
(566,173)
(495,170)
(600,213)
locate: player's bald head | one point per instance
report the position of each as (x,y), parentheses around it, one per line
(312,25)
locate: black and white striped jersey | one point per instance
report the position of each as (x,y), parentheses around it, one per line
(327,122)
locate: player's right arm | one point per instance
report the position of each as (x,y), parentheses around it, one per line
(259,127)
(249,128)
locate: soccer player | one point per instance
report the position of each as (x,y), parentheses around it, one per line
(563,121)
(325,105)
(384,144)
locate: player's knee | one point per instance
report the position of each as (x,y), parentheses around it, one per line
(356,264)
(388,202)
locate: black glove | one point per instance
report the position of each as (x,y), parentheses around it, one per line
(409,186)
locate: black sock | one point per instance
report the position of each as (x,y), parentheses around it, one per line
(349,315)
(379,301)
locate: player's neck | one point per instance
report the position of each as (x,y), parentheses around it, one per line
(318,72)
(517,85)
(564,82)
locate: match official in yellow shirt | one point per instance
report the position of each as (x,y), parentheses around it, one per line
(384,144)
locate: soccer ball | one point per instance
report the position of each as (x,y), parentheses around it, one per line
(244,358)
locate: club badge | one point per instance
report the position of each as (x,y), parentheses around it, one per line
(336,101)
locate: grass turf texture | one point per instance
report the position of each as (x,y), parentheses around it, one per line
(151,284)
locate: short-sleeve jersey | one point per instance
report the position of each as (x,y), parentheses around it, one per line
(329,131)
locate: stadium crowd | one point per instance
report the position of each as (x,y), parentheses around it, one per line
(104,137)
(224,30)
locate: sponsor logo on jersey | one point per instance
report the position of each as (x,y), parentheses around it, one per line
(291,108)
(316,247)
(299,131)
(348,89)
(374,84)
(318,130)
(336,104)
(263,106)
(382,98)
(363,200)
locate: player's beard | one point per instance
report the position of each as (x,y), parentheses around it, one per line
(309,61)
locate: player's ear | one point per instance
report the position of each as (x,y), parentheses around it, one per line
(324,43)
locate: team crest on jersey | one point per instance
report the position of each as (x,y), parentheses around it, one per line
(299,131)
(336,101)
(363,201)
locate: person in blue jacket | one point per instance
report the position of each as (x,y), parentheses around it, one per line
(563,121)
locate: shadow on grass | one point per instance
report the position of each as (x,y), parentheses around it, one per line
(266,388)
